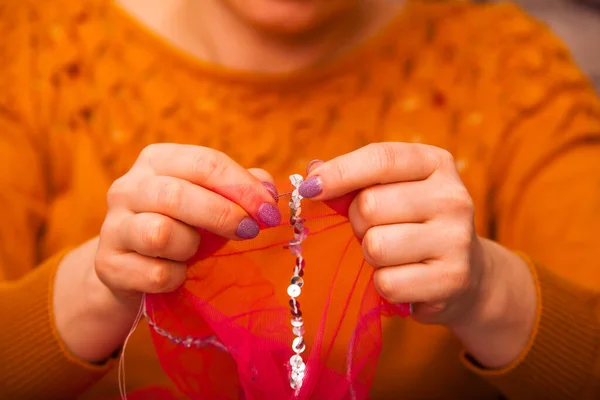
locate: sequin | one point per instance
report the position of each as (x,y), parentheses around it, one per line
(294,290)
(296,361)
(296,180)
(296,283)
(296,312)
(295,384)
(298,345)
(298,330)
(296,280)
(297,375)
(296,249)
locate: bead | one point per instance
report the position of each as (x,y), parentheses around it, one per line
(294,290)
(297,321)
(298,330)
(296,280)
(301,272)
(300,262)
(294,303)
(298,345)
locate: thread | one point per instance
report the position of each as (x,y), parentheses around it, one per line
(121,372)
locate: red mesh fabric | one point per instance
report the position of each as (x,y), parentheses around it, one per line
(234,312)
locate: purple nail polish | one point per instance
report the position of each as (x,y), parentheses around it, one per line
(247,229)
(311,164)
(311,187)
(272,189)
(269,215)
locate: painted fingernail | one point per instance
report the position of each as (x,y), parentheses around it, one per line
(311,187)
(247,229)
(272,189)
(312,164)
(269,215)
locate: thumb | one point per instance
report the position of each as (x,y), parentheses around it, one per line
(340,205)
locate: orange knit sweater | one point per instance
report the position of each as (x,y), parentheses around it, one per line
(83,88)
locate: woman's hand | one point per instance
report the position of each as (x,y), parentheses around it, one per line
(150,230)
(415,218)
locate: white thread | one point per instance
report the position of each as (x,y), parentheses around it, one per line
(121,374)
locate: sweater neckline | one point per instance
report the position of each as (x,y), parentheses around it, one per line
(352,58)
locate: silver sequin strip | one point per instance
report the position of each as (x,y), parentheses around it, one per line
(188,341)
(297,365)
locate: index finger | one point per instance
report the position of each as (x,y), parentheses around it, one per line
(373,164)
(217,172)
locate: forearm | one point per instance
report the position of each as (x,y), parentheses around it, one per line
(499,326)
(89,319)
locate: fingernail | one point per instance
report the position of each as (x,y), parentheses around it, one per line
(269,215)
(311,164)
(272,189)
(247,229)
(311,187)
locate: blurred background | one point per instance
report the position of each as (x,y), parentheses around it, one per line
(577,22)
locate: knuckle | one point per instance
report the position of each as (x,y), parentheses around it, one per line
(159,277)
(385,283)
(458,200)
(338,171)
(373,249)
(459,279)
(149,152)
(445,158)
(117,192)
(169,195)
(386,156)
(194,244)
(157,233)
(462,236)
(209,163)
(108,229)
(366,203)
(105,266)
(222,219)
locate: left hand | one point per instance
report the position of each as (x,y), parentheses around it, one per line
(415,218)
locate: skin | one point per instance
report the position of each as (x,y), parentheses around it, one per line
(415,218)
(406,201)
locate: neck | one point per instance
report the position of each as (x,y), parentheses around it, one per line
(209,30)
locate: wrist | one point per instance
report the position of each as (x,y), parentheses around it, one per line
(90,320)
(498,326)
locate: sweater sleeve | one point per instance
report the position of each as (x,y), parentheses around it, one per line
(546,196)
(35,363)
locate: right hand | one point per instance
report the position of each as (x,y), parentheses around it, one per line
(155,210)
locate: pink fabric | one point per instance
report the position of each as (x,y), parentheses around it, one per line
(235,308)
